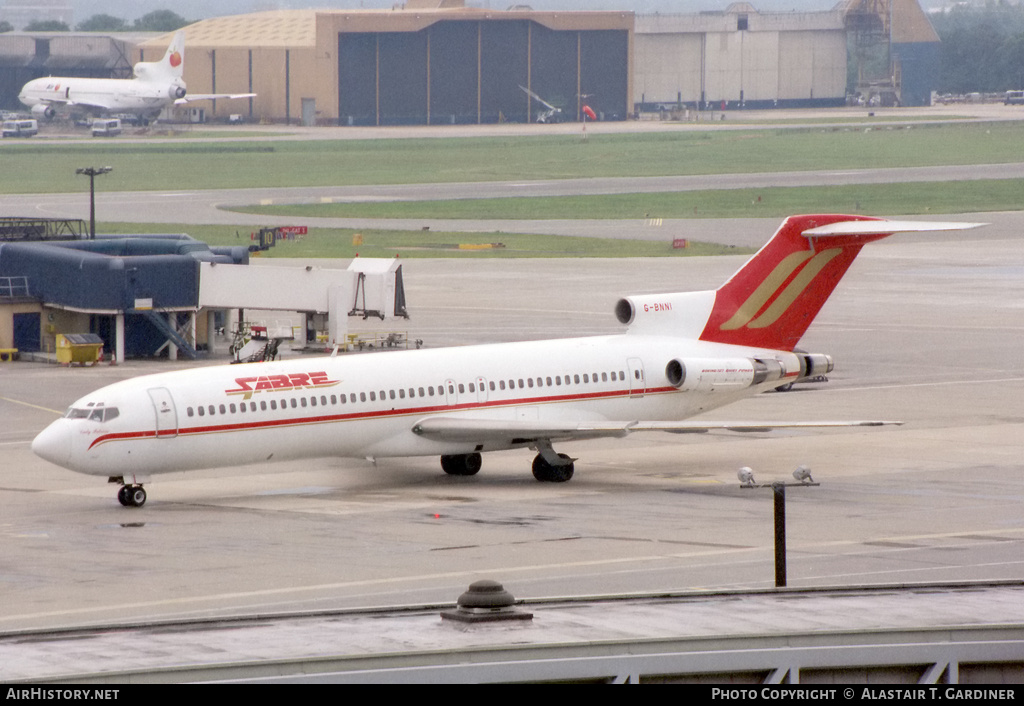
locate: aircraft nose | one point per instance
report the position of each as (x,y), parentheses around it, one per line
(54,443)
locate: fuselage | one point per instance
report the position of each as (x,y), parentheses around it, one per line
(367,405)
(102,94)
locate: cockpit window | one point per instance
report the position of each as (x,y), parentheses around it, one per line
(96,414)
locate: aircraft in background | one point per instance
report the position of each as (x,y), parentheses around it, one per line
(155,86)
(683,354)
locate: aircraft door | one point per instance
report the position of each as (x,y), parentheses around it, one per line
(451,396)
(166,414)
(481,390)
(637,383)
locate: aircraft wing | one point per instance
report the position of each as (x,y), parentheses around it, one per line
(481,430)
(75,104)
(189,97)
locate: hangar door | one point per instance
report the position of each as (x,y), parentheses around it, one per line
(462,71)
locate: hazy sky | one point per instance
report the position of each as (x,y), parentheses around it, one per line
(199,9)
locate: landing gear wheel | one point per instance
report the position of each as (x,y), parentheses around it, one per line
(131,495)
(137,495)
(461,464)
(546,473)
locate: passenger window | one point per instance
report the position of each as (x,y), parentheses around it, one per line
(604,377)
(391,394)
(263,406)
(212,410)
(548,381)
(273,404)
(401,394)
(241,408)
(585,378)
(421,393)
(558,379)
(529,382)
(232,407)
(373,397)
(501,384)
(362,397)
(302,401)
(202,411)
(472,387)
(190,412)
(462,388)
(576,379)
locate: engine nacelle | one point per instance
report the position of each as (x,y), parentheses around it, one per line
(176,92)
(815,364)
(42,110)
(705,374)
(679,314)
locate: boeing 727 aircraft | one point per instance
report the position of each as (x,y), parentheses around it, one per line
(156,85)
(683,354)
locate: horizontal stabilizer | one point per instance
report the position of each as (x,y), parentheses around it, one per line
(885,227)
(461,429)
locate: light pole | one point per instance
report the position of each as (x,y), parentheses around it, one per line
(803,475)
(91,172)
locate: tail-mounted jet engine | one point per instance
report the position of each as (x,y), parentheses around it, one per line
(700,374)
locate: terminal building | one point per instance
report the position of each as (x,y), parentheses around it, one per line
(165,295)
(437,62)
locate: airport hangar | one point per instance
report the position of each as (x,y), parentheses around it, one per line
(438,62)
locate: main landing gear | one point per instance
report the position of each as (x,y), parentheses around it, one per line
(461,464)
(552,473)
(548,466)
(130,495)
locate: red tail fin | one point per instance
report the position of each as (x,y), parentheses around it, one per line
(775,296)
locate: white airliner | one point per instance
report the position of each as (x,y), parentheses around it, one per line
(156,85)
(682,354)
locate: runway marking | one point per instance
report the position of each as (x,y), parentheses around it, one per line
(33,406)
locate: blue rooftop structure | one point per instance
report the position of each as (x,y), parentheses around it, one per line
(148,280)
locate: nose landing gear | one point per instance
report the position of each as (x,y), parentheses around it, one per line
(131,495)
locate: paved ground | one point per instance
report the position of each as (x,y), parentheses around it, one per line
(923,329)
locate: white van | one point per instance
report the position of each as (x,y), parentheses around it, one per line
(106,127)
(20,128)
